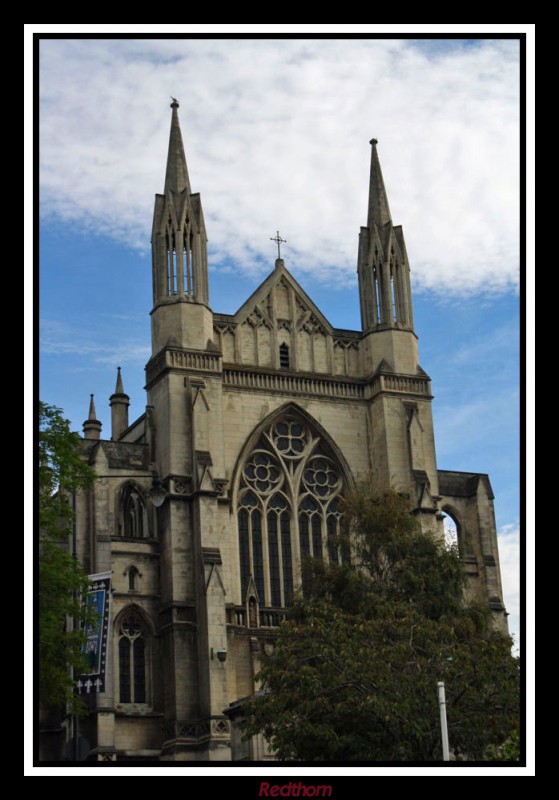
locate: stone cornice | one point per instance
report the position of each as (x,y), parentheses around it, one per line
(270,380)
(317,385)
(171,358)
(238,377)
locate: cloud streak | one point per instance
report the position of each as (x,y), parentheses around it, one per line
(276,134)
(61,339)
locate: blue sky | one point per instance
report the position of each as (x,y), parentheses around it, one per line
(276,134)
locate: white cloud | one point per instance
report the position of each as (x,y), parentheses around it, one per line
(276,135)
(509,557)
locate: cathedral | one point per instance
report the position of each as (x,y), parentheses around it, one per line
(255,425)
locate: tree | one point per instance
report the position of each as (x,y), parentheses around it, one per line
(355,667)
(62,582)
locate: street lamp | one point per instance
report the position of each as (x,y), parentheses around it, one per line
(220,654)
(157,492)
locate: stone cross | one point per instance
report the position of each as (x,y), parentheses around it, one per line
(278,240)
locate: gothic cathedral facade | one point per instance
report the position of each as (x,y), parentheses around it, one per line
(256,424)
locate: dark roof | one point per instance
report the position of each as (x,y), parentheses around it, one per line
(120,455)
(463,484)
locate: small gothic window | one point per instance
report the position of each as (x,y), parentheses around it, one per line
(377,294)
(132,659)
(134,514)
(252,617)
(394,304)
(284,356)
(133,575)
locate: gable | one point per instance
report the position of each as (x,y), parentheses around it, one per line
(280,316)
(281,294)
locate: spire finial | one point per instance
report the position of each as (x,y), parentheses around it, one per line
(175,103)
(374,142)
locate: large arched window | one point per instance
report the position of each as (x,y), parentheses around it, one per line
(288,509)
(132,648)
(133,513)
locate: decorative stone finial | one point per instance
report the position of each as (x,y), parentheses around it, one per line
(92,426)
(119,389)
(92,413)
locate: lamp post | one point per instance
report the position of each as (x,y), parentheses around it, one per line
(444,726)
(158,493)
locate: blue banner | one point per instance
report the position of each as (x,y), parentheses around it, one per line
(96,648)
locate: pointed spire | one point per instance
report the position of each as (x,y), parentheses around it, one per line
(92,426)
(119,386)
(176,176)
(384,274)
(379,210)
(119,402)
(92,413)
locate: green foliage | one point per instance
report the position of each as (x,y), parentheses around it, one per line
(402,562)
(508,751)
(62,581)
(355,668)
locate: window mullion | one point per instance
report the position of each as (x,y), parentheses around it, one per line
(132,689)
(250,553)
(296,545)
(267,599)
(287,553)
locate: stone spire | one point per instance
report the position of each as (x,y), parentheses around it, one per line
(382,265)
(379,210)
(92,417)
(176,175)
(179,256)
(92,426)
(119,389)
(119,402)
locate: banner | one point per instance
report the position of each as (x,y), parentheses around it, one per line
(96,647)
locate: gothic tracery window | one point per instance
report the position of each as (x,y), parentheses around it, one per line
(288,509)
(134,522)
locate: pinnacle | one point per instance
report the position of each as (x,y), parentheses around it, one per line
(119,385)
(92,413)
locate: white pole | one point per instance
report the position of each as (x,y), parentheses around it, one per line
(444,727)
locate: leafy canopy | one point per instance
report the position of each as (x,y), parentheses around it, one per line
(62,582)
(355,668)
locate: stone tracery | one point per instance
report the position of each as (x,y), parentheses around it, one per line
(288,509)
